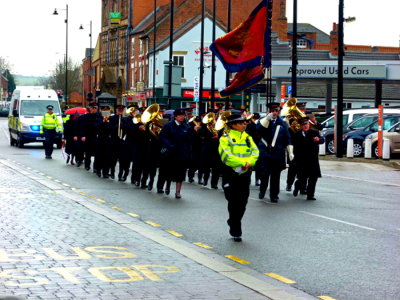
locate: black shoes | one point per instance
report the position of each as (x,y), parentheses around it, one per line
(191,180)
(106,176)
(257,182)
(48,157)
(167,191)
(295,191)
(288,188)
(274,199)
(237,238)
(112,176)
(311,198)
(214,186)
(160,191)
(200,182)
(261,195)
(177,196)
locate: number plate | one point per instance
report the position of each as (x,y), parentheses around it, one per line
(40,138)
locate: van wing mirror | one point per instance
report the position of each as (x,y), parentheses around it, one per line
(15,113)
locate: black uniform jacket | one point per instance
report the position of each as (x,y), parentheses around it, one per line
(178,140)
(306,153)
(273,157)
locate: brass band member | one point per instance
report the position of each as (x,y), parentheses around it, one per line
(117,140)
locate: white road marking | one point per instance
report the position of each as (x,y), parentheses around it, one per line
(337,220)
(363,180)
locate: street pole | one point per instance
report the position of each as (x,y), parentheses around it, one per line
(201,110)
(66,58)
(339,108)
(90,57)
(228,29)
(154,50)
(294,50)
(171,41)
(213,69)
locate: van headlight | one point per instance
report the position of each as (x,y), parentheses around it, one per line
(25,127)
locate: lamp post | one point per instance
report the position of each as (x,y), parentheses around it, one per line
(66,51)
(90,56)
(294,50)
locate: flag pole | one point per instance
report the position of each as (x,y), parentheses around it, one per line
(213,58)
(228,29)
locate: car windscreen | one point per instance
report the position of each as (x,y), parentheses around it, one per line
(38,107)
(387,123)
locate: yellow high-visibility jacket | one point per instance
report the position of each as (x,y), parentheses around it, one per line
(236,149)
(50,121)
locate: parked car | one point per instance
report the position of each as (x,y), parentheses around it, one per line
(4,111)
(393,134)
(360,123)
(359,136)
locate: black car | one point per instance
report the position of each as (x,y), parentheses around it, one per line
(359,136)
(4,111)
(360,123)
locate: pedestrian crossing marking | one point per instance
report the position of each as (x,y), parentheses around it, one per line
(115,207)
(174,233)
(203,245)
(280,278)
(133,215)
(100,200)
(326,298)
(153,224)
(237,259)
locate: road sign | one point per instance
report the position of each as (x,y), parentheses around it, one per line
(289,89)
(196,88)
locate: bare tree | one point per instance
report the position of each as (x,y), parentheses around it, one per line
(57,79)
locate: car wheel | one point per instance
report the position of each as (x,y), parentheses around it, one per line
(357,149)
(375,150)
(330,146)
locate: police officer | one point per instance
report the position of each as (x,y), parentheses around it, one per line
(49,127)
(238,154)
(275,140)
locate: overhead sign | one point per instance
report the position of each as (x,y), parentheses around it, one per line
(115,18)
(330,71)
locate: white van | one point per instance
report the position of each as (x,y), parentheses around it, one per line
(353,114)
(27,107)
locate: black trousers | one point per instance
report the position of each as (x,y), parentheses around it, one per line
(306,183)
(49,136)
(273,178)
(237,191)
(291,174)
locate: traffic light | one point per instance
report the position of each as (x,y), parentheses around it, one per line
(59,95)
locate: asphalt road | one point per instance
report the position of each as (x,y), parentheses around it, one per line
(344,245)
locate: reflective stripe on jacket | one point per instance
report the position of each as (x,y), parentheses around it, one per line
(50,121)
(236,149)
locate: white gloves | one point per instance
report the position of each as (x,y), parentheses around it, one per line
(265,121)
(289,149)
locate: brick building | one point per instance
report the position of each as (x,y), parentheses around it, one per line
(125,50)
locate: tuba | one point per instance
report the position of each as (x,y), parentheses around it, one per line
(222,119)
(291,111)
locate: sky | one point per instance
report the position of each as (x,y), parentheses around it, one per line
(32,39)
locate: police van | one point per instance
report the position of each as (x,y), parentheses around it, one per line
(27,107)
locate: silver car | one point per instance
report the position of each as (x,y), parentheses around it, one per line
(393,134)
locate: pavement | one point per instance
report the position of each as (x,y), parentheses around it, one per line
(56,242)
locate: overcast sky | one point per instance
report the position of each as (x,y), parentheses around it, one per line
(32,40)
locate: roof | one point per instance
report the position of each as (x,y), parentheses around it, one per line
(322,37)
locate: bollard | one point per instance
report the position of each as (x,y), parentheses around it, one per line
(350,148)
(322,149)
(386,149)
(367,149)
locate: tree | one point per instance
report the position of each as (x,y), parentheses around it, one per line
(57,79)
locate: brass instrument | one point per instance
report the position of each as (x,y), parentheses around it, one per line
(222,119)
(248,116)
(209,120)
(193,119)
(137,119)
(291,111)
(152,114)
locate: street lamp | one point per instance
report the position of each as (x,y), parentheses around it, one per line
(90,56)
(66,51)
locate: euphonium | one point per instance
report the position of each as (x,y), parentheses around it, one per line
(152,114)
(209,120)
(291,111)
(222,119)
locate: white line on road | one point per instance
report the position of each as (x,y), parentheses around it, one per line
(336,220)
